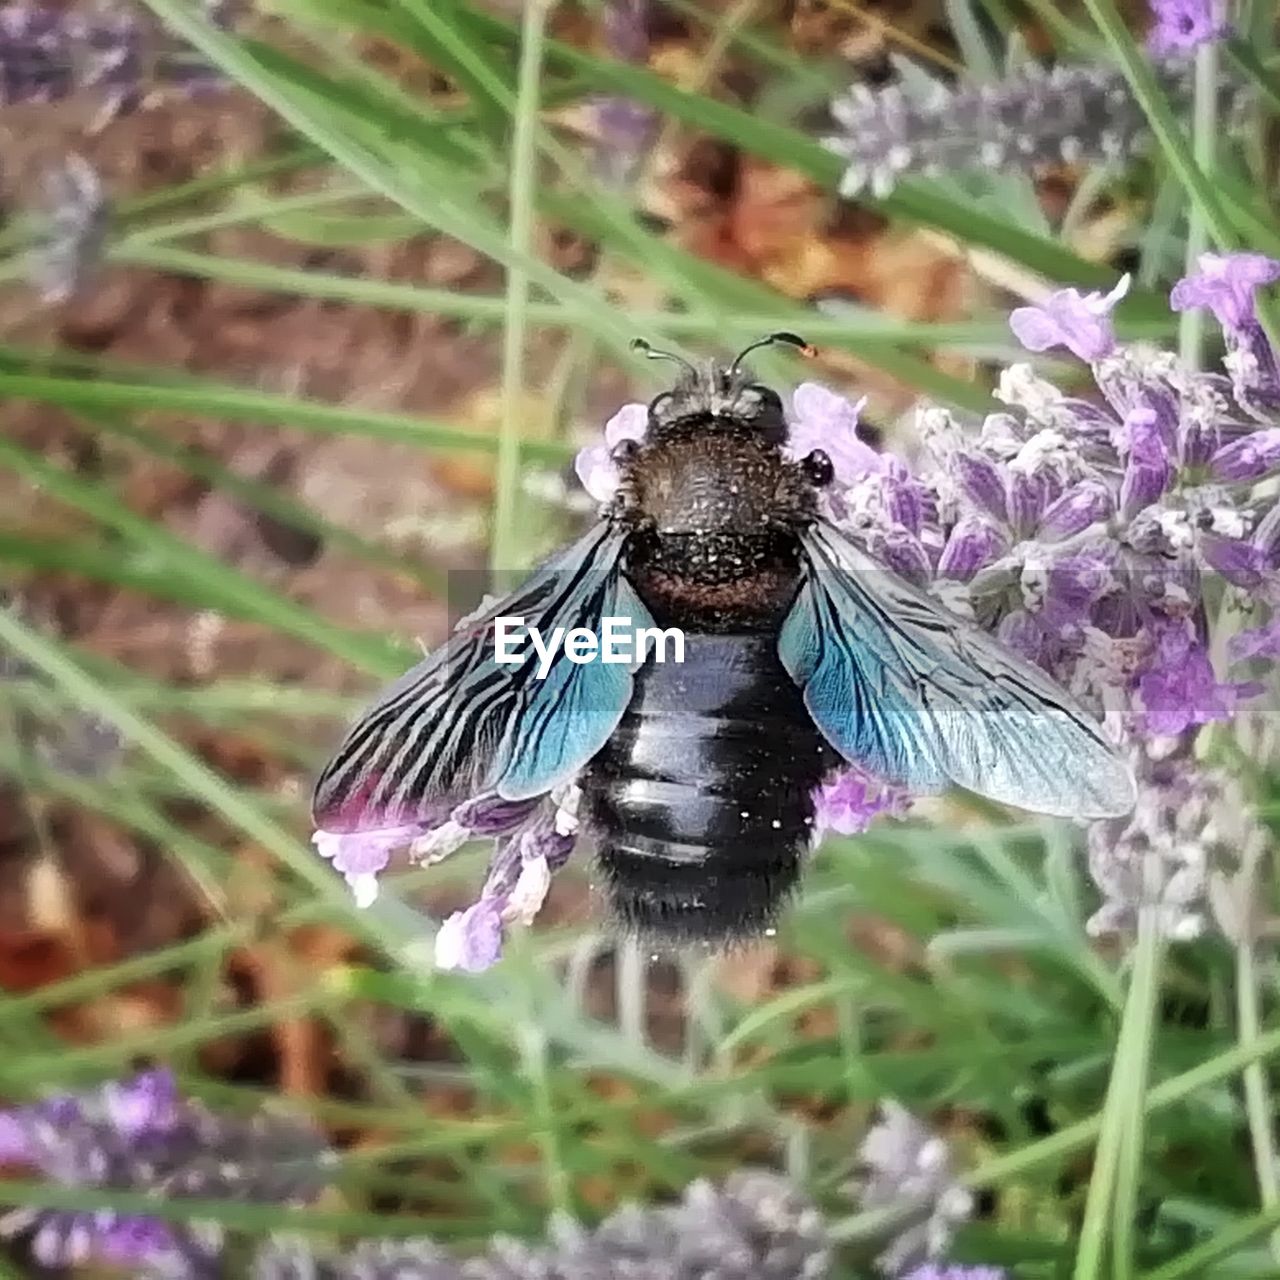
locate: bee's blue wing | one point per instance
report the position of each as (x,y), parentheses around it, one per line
(460,723)
(899,684)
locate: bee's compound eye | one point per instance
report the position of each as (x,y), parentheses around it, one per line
(817,466)
(624,450)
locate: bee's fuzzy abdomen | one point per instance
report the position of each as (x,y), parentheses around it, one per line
(701,802)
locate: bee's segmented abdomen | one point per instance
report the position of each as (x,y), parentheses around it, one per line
(701,801)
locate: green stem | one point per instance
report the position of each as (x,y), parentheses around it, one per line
(1258,1108)
(1204,130)
(1195,1261)
(1113,1174)
(1146,982)
(504,550)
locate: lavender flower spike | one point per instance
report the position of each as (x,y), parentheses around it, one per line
(955,1271)
(49,53)
(141,1135)
(1068,318)
(907,1165)
(1182,26)
(77,214)
(753,1226)
(1029,120)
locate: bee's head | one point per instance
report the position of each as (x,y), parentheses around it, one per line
(720,397)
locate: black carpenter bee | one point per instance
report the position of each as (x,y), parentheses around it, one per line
(801,652)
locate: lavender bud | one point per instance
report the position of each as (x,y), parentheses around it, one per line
(75,233)
(1266,538)
(49,53)
(1084,504)
(1028,120)
(905,1164)
(1142,486)
(1029,495)
(973,544)
(1248,458)
(904,554)
(1238,560)
(981,481)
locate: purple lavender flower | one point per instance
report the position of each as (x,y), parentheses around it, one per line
(360,856)
(754,1226)
(955,1271)
(1257,642)
(847,803)
(1226,283)
(1248,458)
(142,1135)
(626,128)
(49,53)
(1180,690)
(906,1165)
(595,465)
(822,419)
(1182,26)
(1029,120)
(75,231)
(1196,824)
(1068,318)
(1080,531)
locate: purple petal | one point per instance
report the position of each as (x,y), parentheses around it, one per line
(597,472)
(1145,438)
(360,855)
(1254,367)
(471,940)
(631,422)
(1249,457)
(594,465)
(847,803)
(1182,26)
(14,1147)
(1073,584)
(1180,689)
(1068,318)
(823,419)
(1225,283)
(1024,633)
(1141,487)
(134,1240)
(146,1104)
(490,815)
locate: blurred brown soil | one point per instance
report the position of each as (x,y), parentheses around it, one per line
(89,893)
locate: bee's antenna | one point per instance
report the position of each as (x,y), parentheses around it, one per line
(652,353)
(790,339)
